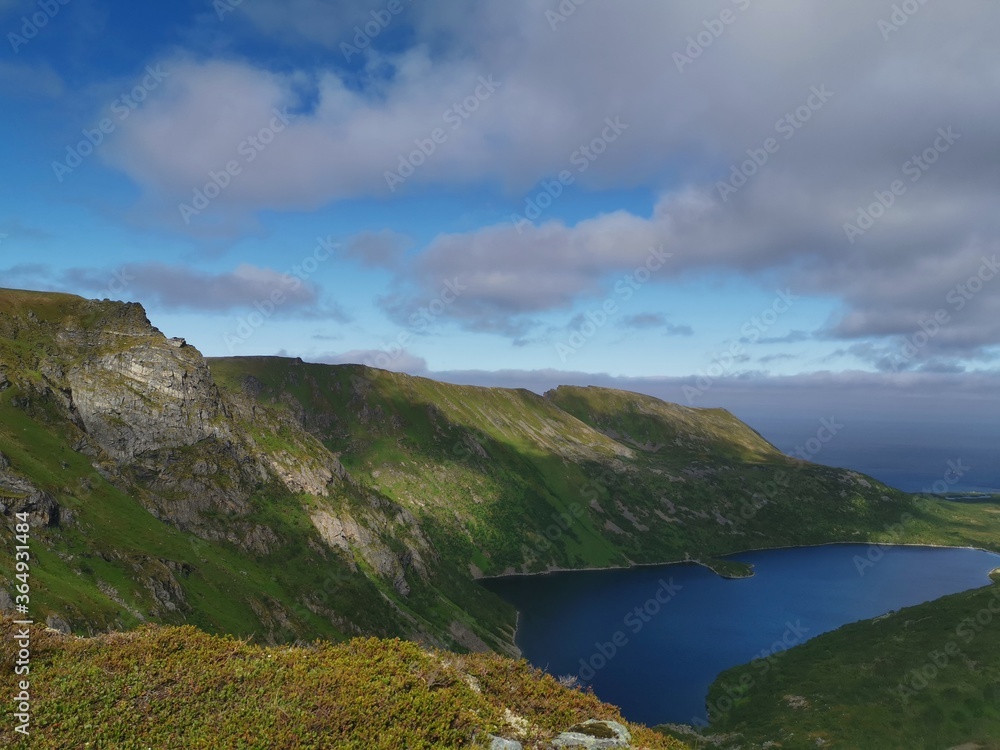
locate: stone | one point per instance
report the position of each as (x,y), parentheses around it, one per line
(55,622)
(595,735)
(18,495)
(499,743)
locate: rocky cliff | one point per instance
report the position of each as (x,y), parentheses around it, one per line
(271,496)
(145,416)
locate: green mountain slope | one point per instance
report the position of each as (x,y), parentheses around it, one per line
(287,500)
(651,425)
(925,677)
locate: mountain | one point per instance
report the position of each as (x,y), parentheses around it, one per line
(288,500)
(922,677)
(284,501)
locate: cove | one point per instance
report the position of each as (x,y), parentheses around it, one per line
(652,639)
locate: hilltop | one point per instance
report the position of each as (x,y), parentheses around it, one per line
(283,501)
(289,500)
(179,687)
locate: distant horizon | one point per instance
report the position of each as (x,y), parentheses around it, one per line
(881,436)
(813,238)
(347,182)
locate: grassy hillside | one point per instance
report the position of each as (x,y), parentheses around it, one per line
(179,687)
(655,426)
(287,501)
(496,473)
(179,533)
(922,677)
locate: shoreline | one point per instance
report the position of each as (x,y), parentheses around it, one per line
(517,618)
(725,555)
(632,566)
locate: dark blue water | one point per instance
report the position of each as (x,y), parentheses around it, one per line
(652,640)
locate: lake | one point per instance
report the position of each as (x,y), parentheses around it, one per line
(652,639)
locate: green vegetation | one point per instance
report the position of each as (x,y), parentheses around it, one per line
(287,501)
(922,677)
(179,687)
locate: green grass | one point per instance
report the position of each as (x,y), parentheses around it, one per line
(923,677)
(179,687)
(490,472)
(473,480)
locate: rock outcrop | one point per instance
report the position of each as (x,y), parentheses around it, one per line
(147,397)
(595,735)
(19,495)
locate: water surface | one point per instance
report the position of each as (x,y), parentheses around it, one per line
(651,640)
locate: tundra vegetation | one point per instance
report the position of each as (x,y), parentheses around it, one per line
(282,501)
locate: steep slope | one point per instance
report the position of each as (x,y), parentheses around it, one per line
(923,677)
(512,482)
(651,425)
(272,497)
(149,500)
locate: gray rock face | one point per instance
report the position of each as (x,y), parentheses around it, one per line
(499,743)
(167,593)
(18,495)
(55,622)
(344,532)
(595,735)
(151,420)
(151,405)
(147,397)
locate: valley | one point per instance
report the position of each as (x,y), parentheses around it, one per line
(282,501)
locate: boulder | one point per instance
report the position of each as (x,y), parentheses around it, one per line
(593,735)
(499,743)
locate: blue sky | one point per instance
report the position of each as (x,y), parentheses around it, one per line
(525,191)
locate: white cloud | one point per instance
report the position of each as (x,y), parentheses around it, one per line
(686,130)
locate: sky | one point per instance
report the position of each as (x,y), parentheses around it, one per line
(788,209)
